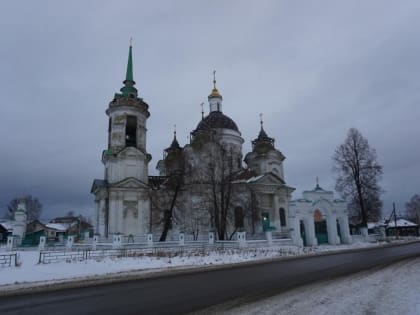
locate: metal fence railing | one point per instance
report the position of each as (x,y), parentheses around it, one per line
(8,260)
(102,250)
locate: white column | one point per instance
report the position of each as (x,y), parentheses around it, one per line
(332,229)
(120,215)
(295,233)
(345,230)
(101,219)
(310,231)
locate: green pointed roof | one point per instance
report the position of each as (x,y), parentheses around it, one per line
(129,73)
(128,90)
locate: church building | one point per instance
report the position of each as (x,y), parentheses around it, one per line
(208,185)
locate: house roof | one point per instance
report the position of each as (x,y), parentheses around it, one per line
(57,226)
(7,225)
(401,223)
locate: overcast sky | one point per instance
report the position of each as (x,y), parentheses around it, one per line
(315,69)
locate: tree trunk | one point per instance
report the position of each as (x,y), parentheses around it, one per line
(168,216)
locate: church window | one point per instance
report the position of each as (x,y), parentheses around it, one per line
(131,131)
(282,217)
(109,131)
(239,217)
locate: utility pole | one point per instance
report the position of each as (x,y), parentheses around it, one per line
(395,220)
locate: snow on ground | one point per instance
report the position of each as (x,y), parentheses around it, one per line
(30,272)
(388,291)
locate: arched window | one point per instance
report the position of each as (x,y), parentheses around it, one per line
(131,131)
(318,216)
(282,217)
(239,217)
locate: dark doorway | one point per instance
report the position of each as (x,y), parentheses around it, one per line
(302,233)
(321,231)
(266,221)
(282,217)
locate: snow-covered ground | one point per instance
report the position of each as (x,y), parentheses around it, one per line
(388,291)
(31,273)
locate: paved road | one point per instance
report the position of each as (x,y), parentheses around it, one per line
(180,294)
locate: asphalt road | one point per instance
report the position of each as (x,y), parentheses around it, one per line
(183,293)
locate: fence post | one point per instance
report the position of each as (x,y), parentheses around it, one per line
(41,245)
(150,240)
(241,238)
(10,243)
(95,242)
(211,238)
(269,237)
(181,239)
(116,241)
(70,241)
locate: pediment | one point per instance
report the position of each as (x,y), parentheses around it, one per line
(130,183)
(131,153)
(269,179)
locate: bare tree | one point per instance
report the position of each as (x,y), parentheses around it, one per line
(163,203)
(214,176)
(412,208)
(33,208)
(358,171)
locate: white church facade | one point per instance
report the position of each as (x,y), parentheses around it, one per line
(207,185)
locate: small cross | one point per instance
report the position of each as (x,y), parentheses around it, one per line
(131,41)
(317,181)
(214,78)
(202,110)
(261,119)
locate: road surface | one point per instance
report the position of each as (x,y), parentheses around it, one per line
(189,292)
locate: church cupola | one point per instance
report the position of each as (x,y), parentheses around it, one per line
(172,162)
(263,142)
(215,99)
(265,158)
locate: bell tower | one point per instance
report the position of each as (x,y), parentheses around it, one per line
(122,202)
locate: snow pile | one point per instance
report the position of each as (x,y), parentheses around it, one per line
(388,291)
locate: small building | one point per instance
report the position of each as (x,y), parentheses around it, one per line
(75,225)
(55,231)
(34,230)
(318,218)
(403,227)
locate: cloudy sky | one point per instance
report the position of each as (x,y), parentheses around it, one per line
(313,68)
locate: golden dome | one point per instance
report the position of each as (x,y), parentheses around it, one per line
(214,92)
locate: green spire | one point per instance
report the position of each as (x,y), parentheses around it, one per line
(129,74)
(128,90)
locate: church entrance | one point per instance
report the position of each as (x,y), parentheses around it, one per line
(321,231)
(266,222)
